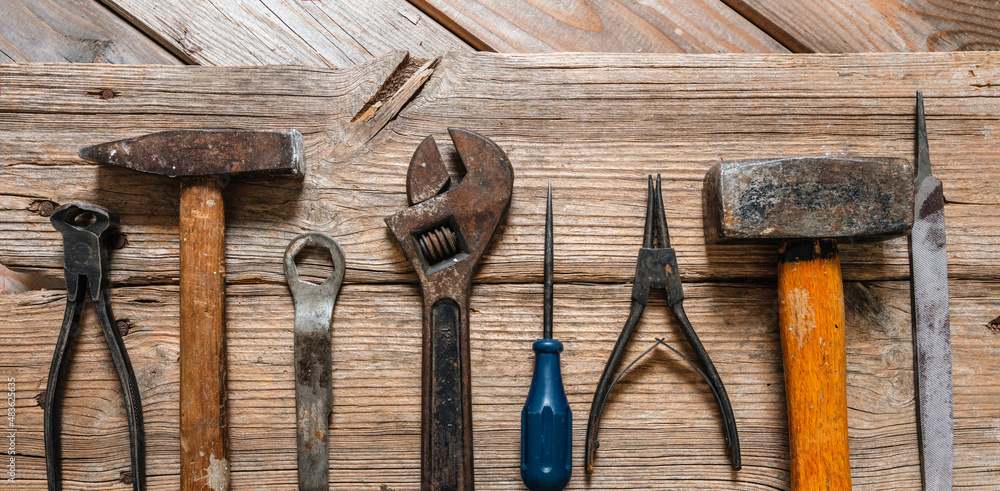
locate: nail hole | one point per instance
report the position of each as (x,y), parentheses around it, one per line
(104,94)
(994,325)
(314,264)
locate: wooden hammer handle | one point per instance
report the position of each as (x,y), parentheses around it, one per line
(811,319)
(203,432)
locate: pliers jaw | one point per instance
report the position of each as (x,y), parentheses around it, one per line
(656,266)
(85,246)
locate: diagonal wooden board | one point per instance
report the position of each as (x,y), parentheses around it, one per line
(528,26)
(595,125)
(76,31)
(288,32)
(843,26)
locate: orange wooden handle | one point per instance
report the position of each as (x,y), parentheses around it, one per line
(811,318)
(204,446)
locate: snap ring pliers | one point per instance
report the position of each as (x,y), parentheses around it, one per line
(657,268)
(85,246)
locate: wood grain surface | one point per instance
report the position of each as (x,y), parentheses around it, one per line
(288,32)
(846,26)
(595,125)
(203,421)
(76,31)
(668,26)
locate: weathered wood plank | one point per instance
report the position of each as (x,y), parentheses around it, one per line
(529,26)
(845,26)
(660,430)
(76,31)
(594,124)
(288,32)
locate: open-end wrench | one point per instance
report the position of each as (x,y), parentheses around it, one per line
(443,234)
(313,359)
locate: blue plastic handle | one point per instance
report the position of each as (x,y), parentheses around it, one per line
(546,424)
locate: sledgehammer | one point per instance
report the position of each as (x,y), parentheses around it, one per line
(808,203)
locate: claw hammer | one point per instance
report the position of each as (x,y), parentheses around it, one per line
(807,203)
(200,157)
(443,234)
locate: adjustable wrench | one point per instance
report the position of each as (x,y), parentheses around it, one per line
(443,234)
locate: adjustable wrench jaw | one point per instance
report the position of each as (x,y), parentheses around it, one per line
(444,234)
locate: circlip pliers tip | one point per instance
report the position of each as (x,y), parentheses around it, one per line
(656,267)
(85,248)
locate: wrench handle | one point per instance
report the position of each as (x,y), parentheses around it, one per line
(446,422)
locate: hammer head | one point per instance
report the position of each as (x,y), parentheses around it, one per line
(808,197)
(204,152)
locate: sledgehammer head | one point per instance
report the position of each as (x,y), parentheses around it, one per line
(808,197)
(204,152)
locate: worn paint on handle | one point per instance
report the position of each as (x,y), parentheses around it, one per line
(811,319)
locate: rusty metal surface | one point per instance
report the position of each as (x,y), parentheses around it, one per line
(313,359)
(427,175)
(808,197)
(931,320)
(443,237)
(204,152)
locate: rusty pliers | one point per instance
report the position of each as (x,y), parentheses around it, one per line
(85,246)
(657,268)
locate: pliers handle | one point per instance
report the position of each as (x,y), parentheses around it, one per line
(657,268)
(86,261)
